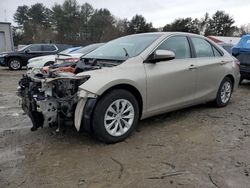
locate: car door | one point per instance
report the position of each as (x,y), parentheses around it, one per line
(49,49)
(171,84)
(34,50)
(210,71)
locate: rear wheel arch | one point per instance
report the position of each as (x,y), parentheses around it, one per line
(231,78)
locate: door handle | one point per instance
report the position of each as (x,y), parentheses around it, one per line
(192,67)
(223,62)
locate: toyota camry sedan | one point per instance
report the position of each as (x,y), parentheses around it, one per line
(129,79)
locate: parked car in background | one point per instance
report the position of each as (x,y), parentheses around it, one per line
(76,55)
(41,61)
(15,60)
(63,57)
(227,47)
(242,52)
(131,78)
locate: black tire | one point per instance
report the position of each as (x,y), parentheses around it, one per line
(99,130)
(49,63)
(219,102)
(15,64)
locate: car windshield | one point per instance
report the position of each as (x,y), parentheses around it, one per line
(87,49)
(124,47)
(69,50)
(23,48)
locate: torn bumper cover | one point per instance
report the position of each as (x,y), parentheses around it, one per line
(48,101)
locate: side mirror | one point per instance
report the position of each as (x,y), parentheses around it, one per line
(27,51)
(161,55)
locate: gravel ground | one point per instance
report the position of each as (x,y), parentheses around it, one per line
(200,146)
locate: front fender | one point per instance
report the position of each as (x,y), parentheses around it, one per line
(84,108)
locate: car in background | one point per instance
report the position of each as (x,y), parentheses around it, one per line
(76,55)
(39,62)
(227,47)
(15,60)
(242,52)
(131,78)
(71,57)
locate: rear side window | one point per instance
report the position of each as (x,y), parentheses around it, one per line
(179,45)
(202,47)
(35,48)
(49,48)
(216,52)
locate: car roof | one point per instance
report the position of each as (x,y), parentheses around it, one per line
(166,34)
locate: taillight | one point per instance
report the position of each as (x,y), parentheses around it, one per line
(71,60)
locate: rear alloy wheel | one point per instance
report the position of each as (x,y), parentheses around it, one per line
(115,116)
(224,92)
(15,64)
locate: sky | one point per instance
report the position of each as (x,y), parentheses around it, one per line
(159,12)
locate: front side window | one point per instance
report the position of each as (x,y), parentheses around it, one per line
(202,48)
(35,48)
(49,48)
(179,45)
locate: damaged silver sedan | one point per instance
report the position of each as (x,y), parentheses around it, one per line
(127,79)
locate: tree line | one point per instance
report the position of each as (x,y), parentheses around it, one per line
(77,24)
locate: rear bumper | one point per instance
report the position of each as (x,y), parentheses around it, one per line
(245,71)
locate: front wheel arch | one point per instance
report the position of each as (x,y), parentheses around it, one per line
(134,91)
(100,111)
(231,78)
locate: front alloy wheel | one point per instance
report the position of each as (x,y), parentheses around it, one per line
(119,117)
(115,116)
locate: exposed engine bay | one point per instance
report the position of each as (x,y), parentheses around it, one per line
(50,95)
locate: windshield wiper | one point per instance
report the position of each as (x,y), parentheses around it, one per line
(127,55)
(63,54)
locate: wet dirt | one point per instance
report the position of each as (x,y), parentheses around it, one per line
(202,146)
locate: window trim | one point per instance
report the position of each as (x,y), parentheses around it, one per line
(42,48)
(34,51)
(219,51)
(168,37)
(51,45)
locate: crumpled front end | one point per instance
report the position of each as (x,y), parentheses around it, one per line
(49,101)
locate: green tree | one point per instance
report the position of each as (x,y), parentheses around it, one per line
(183,25)
(85,15)
(101,25)
(34,22)
(66,21)
(138,24)
(21,16)
(221,24)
